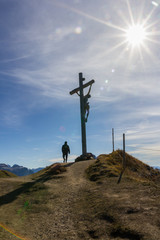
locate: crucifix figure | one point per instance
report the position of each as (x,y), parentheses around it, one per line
(84,107)
(86,103)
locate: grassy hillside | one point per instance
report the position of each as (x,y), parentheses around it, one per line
(110,165)
(60,202)
(49,171)
(6,174)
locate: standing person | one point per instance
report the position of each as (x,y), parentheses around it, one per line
(65,151)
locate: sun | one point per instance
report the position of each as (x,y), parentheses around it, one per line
(136,35)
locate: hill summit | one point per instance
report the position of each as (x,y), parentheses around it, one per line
(110,165)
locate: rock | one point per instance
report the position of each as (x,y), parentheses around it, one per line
(84,157)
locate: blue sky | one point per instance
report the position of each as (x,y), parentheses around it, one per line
(43,47)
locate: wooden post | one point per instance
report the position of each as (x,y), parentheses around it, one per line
(124,160)
(83,124)
(113,138)
(124,154)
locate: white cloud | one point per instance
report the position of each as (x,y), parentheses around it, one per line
(71,158)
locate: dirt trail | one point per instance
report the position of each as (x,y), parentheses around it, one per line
(60,223)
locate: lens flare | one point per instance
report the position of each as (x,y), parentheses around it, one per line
(11,232)
(78,30)
(138,34)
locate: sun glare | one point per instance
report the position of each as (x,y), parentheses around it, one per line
(136,35)
(139,33)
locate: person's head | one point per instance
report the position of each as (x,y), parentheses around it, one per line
(65,142)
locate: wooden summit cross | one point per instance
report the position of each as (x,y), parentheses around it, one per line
(84,107)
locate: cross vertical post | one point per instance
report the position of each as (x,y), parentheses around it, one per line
(83,124)
(84,107)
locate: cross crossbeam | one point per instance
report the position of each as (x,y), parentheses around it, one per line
(84,86)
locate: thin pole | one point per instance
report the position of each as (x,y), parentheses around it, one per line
(124,160)
(113,138)
(124,154)
(83,124)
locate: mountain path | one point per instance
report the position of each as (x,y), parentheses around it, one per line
(60,222)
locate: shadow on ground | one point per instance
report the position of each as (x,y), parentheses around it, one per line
(24,188)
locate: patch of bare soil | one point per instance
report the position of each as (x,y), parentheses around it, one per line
(68,206)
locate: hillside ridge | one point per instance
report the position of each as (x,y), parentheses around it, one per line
(60,202)
(6,174)
(111,165)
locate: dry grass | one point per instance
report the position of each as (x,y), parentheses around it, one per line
(6,174)
(110,165)
(60,204)
(53,169)
(24,198)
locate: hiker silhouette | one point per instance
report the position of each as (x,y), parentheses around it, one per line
(65,151)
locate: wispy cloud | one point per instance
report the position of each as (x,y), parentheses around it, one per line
(53,63)
(14,59)
(51,42)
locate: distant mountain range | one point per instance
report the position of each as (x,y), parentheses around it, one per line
(156,167)
(19,170)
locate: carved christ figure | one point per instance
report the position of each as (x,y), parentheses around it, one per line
(86,103)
